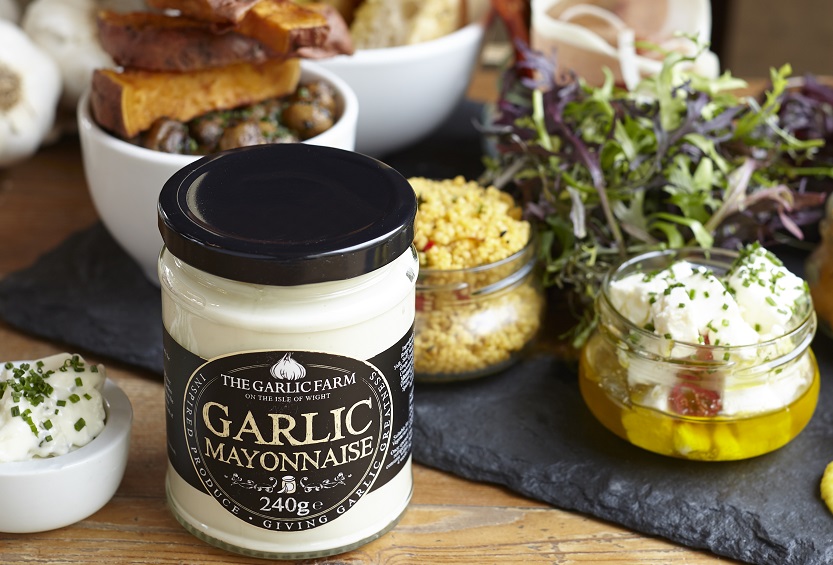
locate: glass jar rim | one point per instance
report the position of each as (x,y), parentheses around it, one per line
(521,263)
(805,324)
(529,248)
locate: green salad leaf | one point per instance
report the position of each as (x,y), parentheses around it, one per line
(681,160)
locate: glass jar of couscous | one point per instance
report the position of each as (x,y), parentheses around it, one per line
(479,302)
(702,354)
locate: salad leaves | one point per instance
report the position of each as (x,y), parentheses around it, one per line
(678,161)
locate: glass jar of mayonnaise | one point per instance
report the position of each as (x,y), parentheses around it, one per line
(287,279)
(703,354)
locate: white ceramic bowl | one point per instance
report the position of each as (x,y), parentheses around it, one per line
(124,179)
(406,92)
(46,494)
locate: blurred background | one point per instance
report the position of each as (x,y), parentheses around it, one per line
(752,35)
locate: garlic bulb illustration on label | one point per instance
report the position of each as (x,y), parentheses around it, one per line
(289,369)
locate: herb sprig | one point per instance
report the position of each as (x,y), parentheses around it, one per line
(679,161)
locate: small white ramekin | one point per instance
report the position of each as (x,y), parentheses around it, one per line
(50,493)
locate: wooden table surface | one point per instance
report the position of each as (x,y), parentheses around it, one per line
(450,520)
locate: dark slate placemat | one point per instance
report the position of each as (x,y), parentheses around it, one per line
(88,293)
(526,428)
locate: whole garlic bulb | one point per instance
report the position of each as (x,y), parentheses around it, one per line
(9,10)
(66,29)
(30,86)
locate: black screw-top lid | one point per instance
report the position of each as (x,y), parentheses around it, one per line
(287,214)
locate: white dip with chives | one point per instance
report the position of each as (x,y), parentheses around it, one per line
(49,407)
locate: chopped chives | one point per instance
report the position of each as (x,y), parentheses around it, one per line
(79,425)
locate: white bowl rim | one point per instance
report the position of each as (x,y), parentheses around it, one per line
(86,121)
(473,31)
(116,431)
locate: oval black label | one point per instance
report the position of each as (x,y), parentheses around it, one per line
(287,440)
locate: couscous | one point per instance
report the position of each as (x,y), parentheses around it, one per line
(478,299)
(460,224)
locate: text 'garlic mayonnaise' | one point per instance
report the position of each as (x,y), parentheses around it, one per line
(288,304)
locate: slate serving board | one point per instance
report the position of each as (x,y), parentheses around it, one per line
(526,428)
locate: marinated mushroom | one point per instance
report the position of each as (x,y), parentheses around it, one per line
(307,119)
(207,130)
(320,93)
(241,134)
(170,136)
(267,110)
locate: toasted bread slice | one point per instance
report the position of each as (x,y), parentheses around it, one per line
(284,26)
(388,23)
(215,11)
(158,42)
(128,102)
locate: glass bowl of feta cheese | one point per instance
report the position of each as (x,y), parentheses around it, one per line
(703,354)
(64,440)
